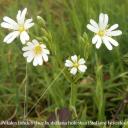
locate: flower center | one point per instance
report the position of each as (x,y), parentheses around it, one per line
(101,33)
(75,64)
(37,49)
(21,28)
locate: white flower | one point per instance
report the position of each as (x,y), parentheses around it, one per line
(103,33)
(36,52)
(18,28)
(76,65)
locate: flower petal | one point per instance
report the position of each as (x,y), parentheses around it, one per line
(35,62)
(74,58)
(107,43)
(73,70)
(39,59)
(99,42)
(114,33)
(8,26)
(27,48)
(23,14)
(46,51)
(93,23)
(105,20)
(82,68)
(92,28)
(45,57)
(28,21)
(30,58)
(101,20)
(112,41)
(68,63)
(30,45)
(95,39)
(35,42)
(27,53)
(24,37)
(43,46)
(18,17)
(28,24)
(113,27)
(10,21)
(81,61)
(11,36)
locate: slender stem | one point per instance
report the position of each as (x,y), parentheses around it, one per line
(99,90)
(44,92)
(73,98)
(25,97)
(73,95)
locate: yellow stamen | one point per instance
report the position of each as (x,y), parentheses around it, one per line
(101,33)
(75,64)
(21,28)
(37,49)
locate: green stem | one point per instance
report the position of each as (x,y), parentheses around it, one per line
(25,95)
(44,92)
(99,90)
(73,98)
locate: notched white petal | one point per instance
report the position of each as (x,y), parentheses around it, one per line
(45,57)
(107,43)
(35,42)
(112,41)
(115,33)
(68,63)
(46,51)
(113,27)
(18,17)
(11,36)
(26,48)
(27,53)
(10,21)
(30,58)
(105,20)
(73,71)
(23,14)
(81,61)
(94,39)
(29,25)
(82,68)
(39,59)
(99,42)
(24,37)
(43,46)
(35,62)
(74,58)
(101,20)
(93,23)
(92,28)
(6,25)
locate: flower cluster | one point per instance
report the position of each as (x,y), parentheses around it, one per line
(33,50)
(38,53)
